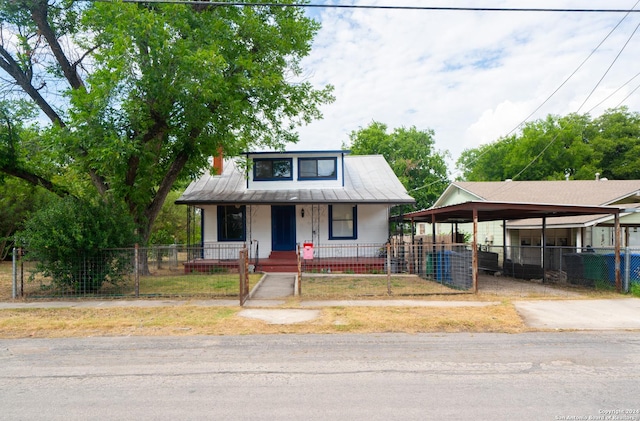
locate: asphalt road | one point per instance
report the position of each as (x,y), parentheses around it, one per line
(540,376)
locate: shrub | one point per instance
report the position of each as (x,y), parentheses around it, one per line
(634,288)
(69,239)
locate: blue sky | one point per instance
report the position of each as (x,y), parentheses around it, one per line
(469,76)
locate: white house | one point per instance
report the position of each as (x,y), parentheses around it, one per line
(284,199)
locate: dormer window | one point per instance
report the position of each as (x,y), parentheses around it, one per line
(272,169)
(317,169)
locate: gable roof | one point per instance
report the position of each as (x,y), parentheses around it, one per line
(573,192)
(368,179)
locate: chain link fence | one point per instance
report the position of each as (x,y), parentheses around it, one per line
(166,271)
(383,270)
(414,269)
(588,267)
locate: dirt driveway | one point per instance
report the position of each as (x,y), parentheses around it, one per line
(514,288)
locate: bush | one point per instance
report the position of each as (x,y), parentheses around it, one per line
(69,237)
(634,288)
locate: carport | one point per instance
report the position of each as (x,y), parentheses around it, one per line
(477,211)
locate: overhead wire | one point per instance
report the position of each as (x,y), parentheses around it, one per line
(561,85)
(382,7)
(615,59)
(615,92)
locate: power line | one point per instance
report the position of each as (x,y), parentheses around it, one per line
(615,92)
(588,96)
(609,68)
(364,6)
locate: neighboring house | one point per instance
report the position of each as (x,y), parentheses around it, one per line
(284,199)
(571,232)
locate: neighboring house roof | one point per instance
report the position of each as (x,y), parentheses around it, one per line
(620,193)
(572,192)
(367,179)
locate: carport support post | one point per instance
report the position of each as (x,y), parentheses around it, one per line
(617,252)
(474,254)
(544,248)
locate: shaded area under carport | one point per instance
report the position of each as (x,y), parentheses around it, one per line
(481,211)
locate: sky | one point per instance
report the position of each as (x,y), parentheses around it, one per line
(469,76)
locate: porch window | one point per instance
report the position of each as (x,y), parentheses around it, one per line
(272,169)
(317,169)
(343,222)
(231,223)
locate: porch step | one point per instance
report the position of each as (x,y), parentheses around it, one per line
(275,268)
(279,261)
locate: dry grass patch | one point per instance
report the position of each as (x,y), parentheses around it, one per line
(367,286)
(197,320)
(5,280)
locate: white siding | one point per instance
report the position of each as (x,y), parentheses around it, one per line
(373,226)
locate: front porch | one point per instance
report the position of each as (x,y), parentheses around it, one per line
(288,261)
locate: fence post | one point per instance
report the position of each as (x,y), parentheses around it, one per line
(174,256)
(389,268)
(298,290)
(14,275)
(627,269)
(243,271)
(136,276)
(21,259)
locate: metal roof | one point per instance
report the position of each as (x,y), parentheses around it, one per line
(368,179)
(492,211)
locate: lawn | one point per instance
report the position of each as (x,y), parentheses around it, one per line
(316,286)
(162,283)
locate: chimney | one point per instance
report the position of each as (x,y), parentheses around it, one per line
(597,176)
(218,162)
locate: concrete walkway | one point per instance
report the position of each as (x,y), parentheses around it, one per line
(275,286)
(613,314)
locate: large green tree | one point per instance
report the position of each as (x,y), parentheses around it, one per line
(138,96)
(577,146)
(411,154)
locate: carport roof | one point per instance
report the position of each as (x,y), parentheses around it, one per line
(491,211)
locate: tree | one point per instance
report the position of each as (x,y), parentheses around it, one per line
(18,200)
(412,156)
(553,148)
(69,240)
(171,224)
(138,96)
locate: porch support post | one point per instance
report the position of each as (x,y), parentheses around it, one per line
(617,252)
(474,254)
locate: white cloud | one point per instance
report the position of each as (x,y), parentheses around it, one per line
(469,76)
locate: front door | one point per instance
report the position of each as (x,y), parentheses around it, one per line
(283,228)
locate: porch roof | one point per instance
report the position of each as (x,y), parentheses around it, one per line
(492,211)
(367,180)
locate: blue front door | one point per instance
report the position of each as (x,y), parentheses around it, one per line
(283,228)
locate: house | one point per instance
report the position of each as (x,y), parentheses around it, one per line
(520,240)
(281,200)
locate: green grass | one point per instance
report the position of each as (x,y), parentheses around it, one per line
(208,284)
(162,283)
